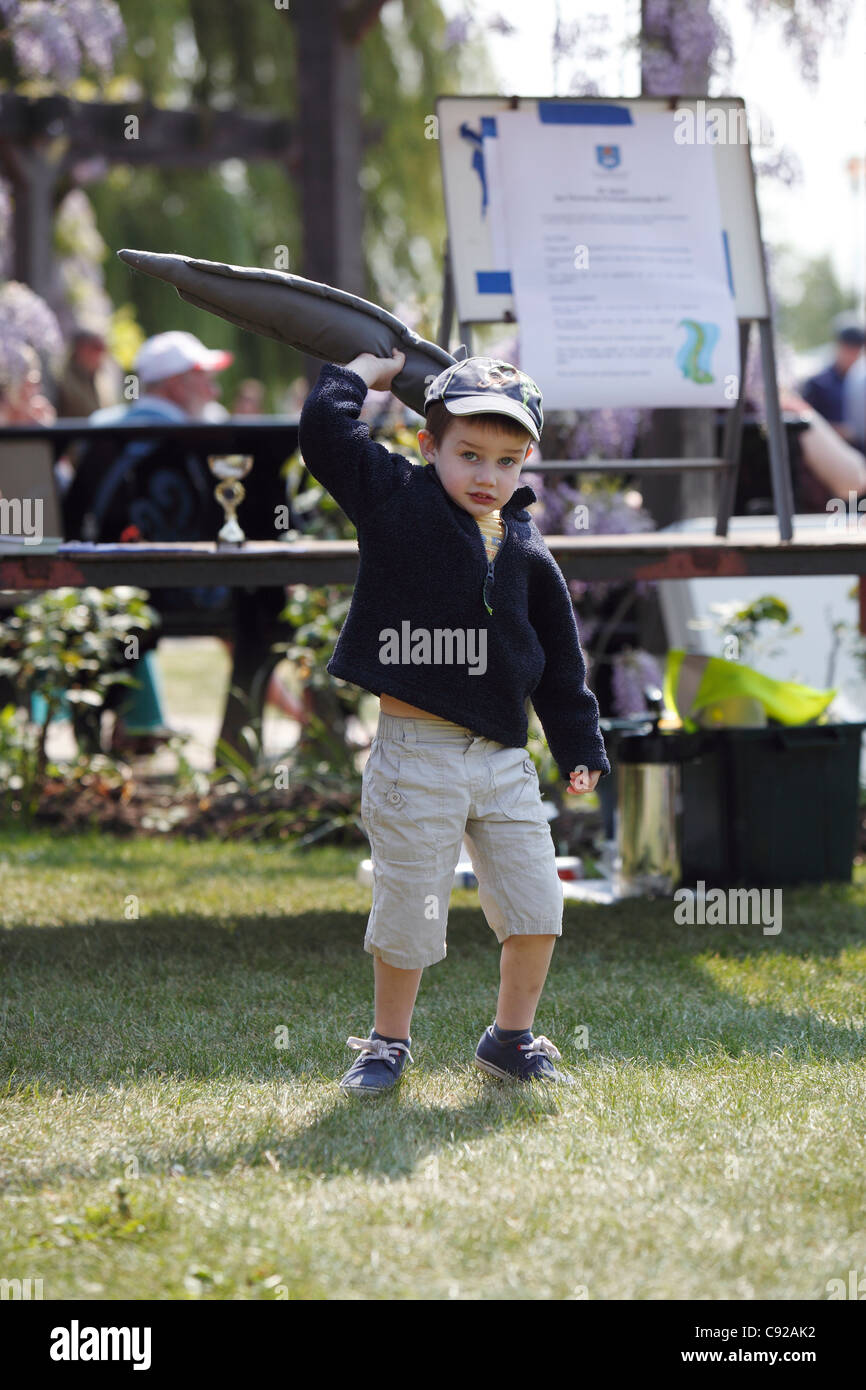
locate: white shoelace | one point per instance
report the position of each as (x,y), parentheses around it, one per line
(379,1048)
(541,1045)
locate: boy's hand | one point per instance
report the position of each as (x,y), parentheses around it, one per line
(582,781)
(378,372)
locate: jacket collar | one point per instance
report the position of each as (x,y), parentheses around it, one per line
(520,498)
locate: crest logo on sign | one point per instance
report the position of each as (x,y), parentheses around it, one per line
(607,156)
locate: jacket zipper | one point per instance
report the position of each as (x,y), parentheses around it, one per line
(490,563)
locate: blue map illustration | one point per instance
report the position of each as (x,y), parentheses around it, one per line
(693,358)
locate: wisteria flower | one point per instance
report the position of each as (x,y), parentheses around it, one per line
(26,324)
(633,671)
(53,39)
(782,164)
(99,29)
(806,27)
(680,40)
(457,31)
(606,433)
(44,43)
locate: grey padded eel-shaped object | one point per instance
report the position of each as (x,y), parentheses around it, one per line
(315,318)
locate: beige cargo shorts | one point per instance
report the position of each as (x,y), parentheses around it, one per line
(428,784)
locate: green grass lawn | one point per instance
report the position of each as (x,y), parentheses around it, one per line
(156,1143)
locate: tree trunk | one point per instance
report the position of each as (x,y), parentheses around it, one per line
(329,136)
(33,176)
(330,140)
(680,433)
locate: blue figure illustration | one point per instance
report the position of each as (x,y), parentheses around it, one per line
(467,133)
(694,357)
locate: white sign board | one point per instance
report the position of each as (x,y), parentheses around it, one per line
(617,261)
(467,129)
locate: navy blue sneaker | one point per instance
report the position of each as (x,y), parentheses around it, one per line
(526,1058)
(379,1066)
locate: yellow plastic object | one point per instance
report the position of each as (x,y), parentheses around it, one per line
(708,692)
(734,712)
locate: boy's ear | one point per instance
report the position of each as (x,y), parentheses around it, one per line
(426,444)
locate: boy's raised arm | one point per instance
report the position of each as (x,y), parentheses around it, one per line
(336,445)
(563,701)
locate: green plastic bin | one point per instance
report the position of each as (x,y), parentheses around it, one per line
(761,807)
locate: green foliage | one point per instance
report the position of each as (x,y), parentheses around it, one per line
(746,623)
(203,51)
(19,753)
(809,296)
(210,51)
(404,67)
(65,640)
(316,615)
(65,645)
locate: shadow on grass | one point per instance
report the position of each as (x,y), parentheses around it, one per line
(81,1005)
(185,1001)
(393,1136)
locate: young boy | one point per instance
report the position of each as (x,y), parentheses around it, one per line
(460,616)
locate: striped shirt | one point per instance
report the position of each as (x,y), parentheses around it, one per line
(492,530)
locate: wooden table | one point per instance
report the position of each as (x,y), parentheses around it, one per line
(650,556)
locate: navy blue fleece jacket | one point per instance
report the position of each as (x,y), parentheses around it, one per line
(423,568)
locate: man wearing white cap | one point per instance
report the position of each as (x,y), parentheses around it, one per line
(177,368)
(175,372)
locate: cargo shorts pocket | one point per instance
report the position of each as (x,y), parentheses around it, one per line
(515,784)
(399,802)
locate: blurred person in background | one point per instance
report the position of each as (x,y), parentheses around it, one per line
(250,398)
(90,381)
(86,383)
(23,401)
(176,376)
(835,467)
(293,399)
(175,372)
(855,403)
(825,391)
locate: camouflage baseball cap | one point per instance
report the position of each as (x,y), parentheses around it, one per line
(477,384)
